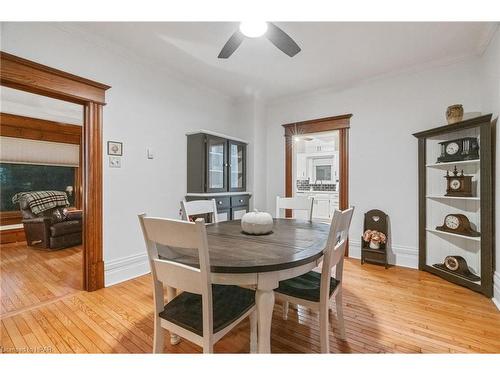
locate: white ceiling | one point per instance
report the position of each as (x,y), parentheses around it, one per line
(333,53)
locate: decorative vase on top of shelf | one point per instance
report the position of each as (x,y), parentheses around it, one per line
(454,113)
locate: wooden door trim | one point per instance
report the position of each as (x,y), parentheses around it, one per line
(341,123)
(26,75)
(319,125)
(38,129)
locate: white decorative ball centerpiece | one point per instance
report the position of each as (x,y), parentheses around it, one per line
(257,223)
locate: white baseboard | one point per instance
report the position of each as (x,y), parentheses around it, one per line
(496,290)
(404,256)
(123,269)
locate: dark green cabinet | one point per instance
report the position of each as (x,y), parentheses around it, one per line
(216,169)
(215,164)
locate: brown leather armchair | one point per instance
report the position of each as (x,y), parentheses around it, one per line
(55,228)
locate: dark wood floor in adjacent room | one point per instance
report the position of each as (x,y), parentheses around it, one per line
(398,310)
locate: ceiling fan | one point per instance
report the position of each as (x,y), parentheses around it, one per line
(256,29)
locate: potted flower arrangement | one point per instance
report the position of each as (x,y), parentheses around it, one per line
(375,238)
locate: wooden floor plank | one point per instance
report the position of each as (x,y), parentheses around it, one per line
(32,275)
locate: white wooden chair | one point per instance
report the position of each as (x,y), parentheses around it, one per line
(199,207)
(314,289)
(296,204)
(204,312)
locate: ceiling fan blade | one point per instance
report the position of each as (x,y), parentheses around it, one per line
(231,45)
(282,40)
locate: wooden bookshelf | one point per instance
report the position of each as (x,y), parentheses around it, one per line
(434,205)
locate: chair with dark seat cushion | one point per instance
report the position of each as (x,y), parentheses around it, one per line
(204,312)
(55,228)
(306,286)
(314,289)
(229,303)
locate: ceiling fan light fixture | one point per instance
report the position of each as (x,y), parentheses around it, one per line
(253,29)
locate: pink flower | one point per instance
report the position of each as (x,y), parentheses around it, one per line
(375,236)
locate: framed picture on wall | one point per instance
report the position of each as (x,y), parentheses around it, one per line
(115,148)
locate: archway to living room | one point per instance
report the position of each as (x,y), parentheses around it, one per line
(41,199)
(52,176)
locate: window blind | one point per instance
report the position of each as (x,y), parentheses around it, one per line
(27,151)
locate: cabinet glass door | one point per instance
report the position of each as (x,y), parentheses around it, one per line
(236,166)
(217,163)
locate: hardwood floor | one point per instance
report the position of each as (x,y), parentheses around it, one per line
(32,277)
(397,310)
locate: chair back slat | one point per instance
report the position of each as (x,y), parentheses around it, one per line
(170,232)
(296,204)
(335,249)
(178,276)
(199,207)
(339,233)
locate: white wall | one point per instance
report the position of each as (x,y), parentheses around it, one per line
(383,152)
(490,89)
(249,115)
(146,108)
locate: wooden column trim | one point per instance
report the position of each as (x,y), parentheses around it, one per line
(288,170)
(26,75)
(344,168)
(92,202)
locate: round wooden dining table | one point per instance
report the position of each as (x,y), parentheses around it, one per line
(293,248)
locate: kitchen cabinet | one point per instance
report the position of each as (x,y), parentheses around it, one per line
(325,203)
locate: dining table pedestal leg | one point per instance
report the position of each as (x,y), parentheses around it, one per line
(265,303)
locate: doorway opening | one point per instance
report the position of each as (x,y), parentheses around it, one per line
(317,163)
(41,217)
(28,76)
(316,171)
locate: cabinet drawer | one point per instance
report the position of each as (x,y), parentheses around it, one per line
(239,200)
(222,202)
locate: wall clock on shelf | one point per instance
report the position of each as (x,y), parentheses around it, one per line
(458,185)
(466,148)
(457,265)
(458,224)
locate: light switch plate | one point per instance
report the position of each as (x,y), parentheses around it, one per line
(115,162)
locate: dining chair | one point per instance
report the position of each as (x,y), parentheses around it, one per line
(199,207)
(204,312)
(313,289)
(296,204)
